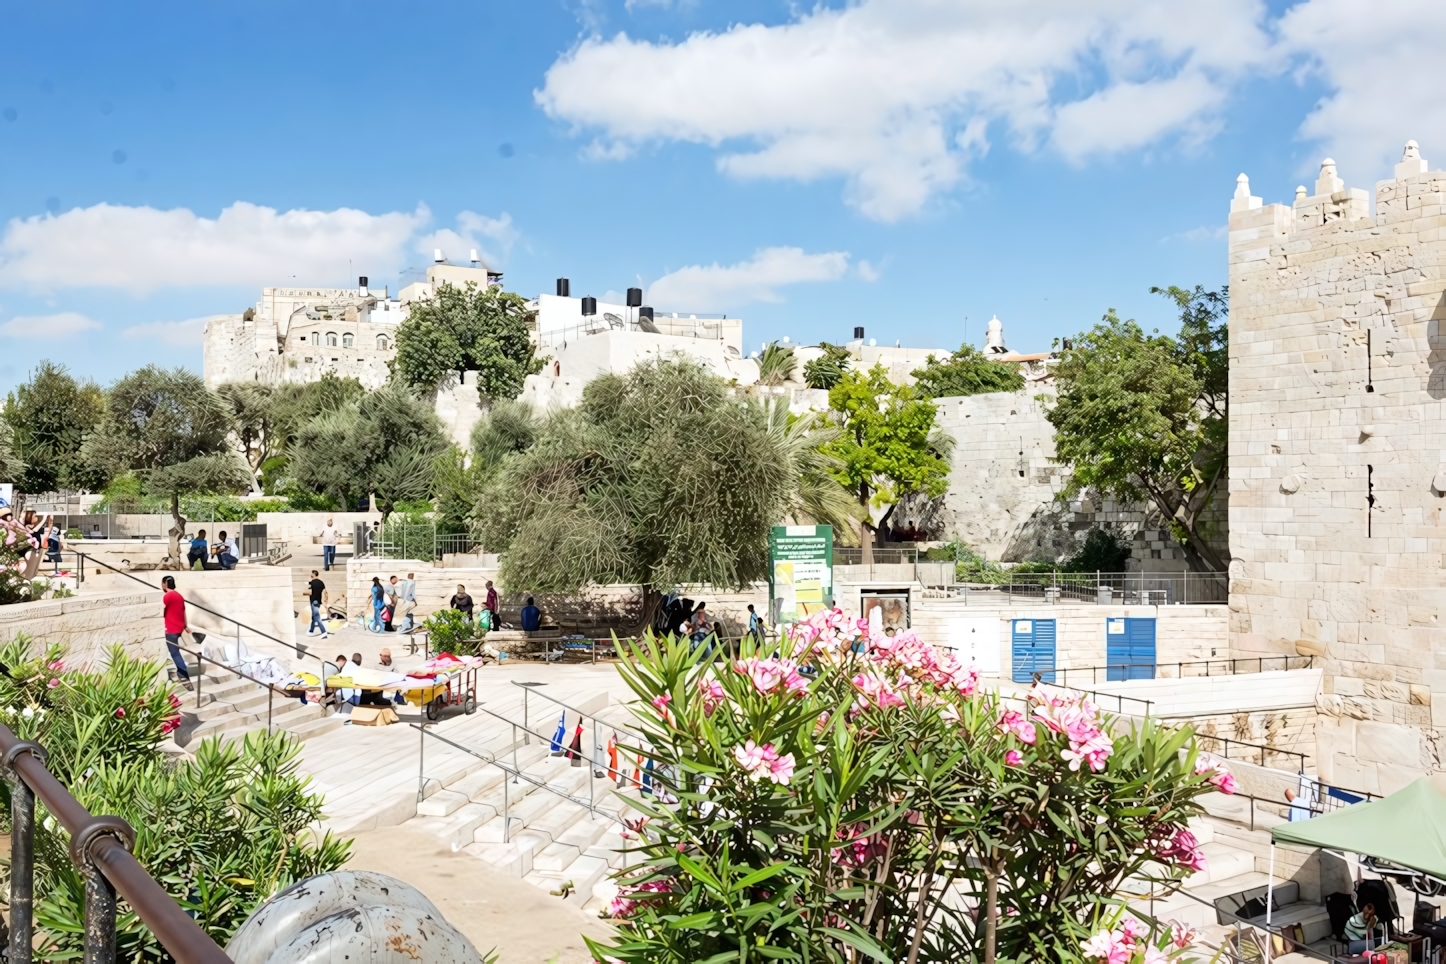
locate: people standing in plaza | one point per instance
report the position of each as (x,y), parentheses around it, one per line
(393,604)
(461,602)
(198,552)
(407,599)
(330,536)
(317,591)
(173,610)
(492,606)
(377,594)
(52,545)
(755,625)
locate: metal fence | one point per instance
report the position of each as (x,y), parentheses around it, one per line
(705,327)
(1117,672)
(1103,588)
(417,540)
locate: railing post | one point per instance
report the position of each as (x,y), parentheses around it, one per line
(99,917)
(506,813)
(22,856)
(421,757)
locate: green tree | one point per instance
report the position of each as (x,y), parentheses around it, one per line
(172,431)
(816,496)
(661,477)
(824,372)
(251,405)
(51,414)
(1144,417)
(386,443)
(967,371)
(486,330)
(887,445)
(12,466)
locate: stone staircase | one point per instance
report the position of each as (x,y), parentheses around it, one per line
(232,706)
(553,840)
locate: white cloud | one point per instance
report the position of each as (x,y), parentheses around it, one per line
(868,271)
(188,332)
(49,327)
(897,96)
(1205,232)
(499,233)
(718,287)
(1383,64)
(142,249)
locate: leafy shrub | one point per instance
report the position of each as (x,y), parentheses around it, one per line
(303,500)
(221,832)
(1102,551)
(826,372)
(452,632)
(866,812)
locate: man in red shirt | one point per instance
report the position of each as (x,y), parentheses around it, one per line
(492,604)
(173,605)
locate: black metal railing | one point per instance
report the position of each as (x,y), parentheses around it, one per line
(100,847)
(1102,588)
(1208,741)
(1124,672)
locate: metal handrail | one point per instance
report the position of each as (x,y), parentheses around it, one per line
(205,609)
(100,847)
(567,706)
(1204,737)
(1181,665)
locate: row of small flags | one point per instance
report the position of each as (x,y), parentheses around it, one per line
(642,771)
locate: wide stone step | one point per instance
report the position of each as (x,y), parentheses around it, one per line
(582,874)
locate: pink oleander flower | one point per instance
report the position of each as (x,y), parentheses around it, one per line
(1182,935)
(120,712)
(768,674)
(1107,946)
(623,905)
(1153,955)
(170,724)
(52,684)
(56,666)
(1220,777)
(874,689)
(660,703)
(713,695)
(859,850)
(1182,849)
(764,762)
(1013,758)
(175,701)
(1015,722)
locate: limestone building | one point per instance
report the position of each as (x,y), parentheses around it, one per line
(1338,458)
(299,334)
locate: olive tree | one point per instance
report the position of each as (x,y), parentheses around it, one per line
(173,431)
(461,329)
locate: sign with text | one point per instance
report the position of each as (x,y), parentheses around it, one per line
(800,571)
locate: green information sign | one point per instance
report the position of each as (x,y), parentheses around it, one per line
(800,571)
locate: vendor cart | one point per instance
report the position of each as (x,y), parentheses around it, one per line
(453,687)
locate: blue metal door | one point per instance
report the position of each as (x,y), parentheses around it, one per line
(1033,650)
(1130,648)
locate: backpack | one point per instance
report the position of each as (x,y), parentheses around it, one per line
(484,620)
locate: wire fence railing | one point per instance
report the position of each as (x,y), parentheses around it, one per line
(416,540)
(1188,669)
(1102,588)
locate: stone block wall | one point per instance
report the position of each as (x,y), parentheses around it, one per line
(1338,458)
(87,626)
(1004,482)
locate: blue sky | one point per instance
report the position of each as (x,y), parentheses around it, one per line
(912,166)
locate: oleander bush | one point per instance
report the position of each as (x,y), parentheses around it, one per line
(221,832)
(840,796)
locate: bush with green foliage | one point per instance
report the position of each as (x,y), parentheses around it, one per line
(889,808)
(777,364)
(221,832)
(452,632)
(1103,550)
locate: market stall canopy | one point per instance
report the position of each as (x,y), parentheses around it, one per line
(1406,828)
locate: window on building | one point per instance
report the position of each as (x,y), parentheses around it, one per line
(308,359)
(302,339)
(382,343)
(331,339)
(347,340)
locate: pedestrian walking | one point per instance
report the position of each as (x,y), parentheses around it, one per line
(317,591)
(173,609)
(407,598)
(378,597)
(330,536)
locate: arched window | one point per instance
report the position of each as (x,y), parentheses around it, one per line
(347,340)
(382,343)
(331,339)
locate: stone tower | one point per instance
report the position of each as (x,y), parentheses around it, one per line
(1338,458)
